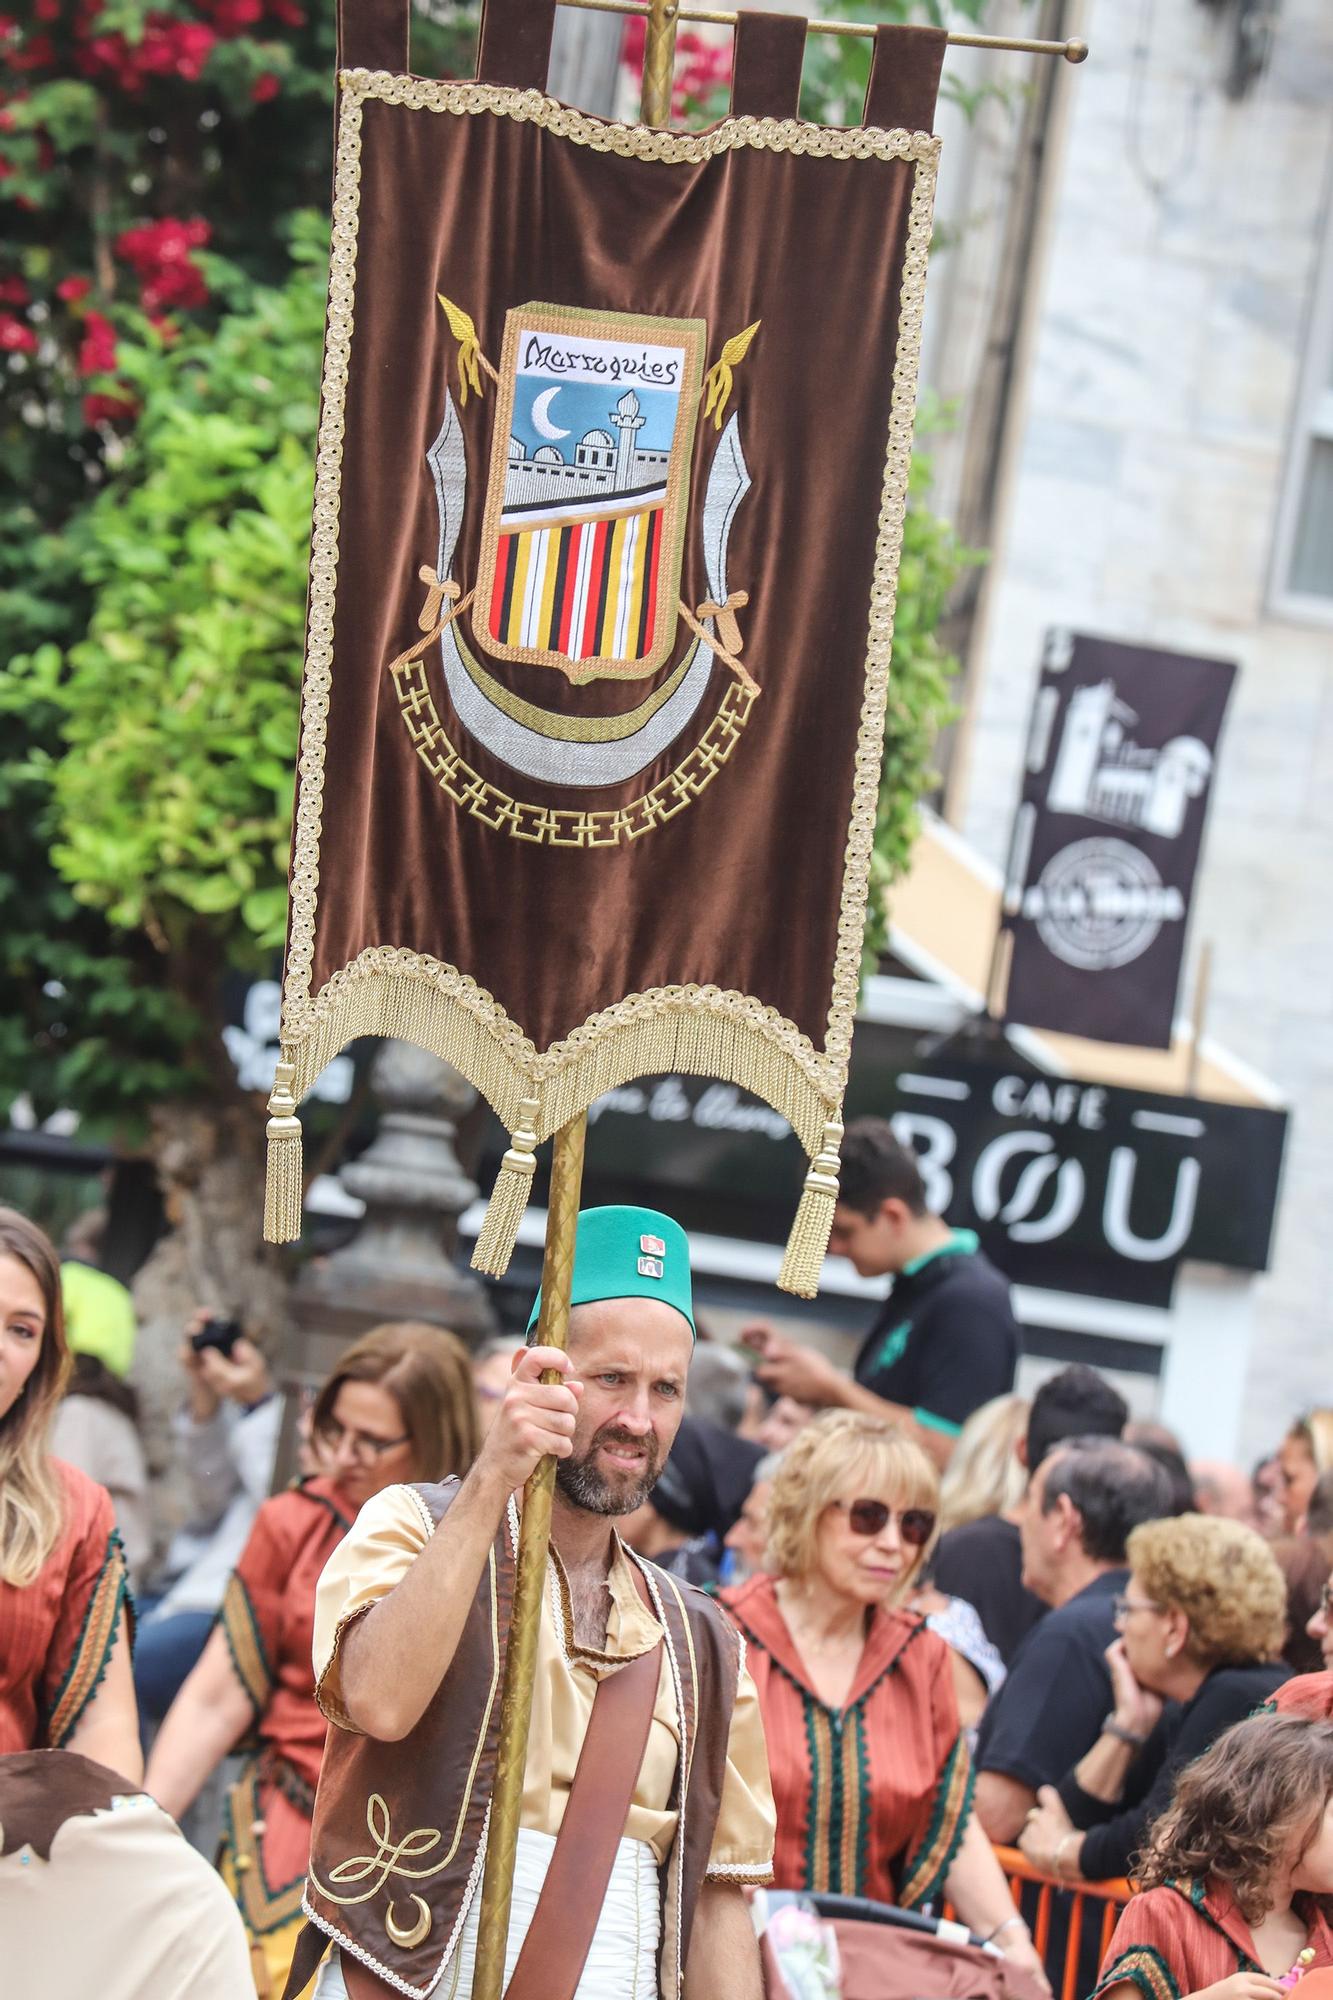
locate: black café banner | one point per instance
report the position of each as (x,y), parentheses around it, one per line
(1121,755)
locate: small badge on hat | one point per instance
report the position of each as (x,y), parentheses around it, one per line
(651,1267)
(652,1246)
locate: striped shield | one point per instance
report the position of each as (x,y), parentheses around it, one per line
(589,479)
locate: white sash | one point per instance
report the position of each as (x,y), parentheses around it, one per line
(622,1961)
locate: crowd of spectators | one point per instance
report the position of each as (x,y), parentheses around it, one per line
(1044,1625)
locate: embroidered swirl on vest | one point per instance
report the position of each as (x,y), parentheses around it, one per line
(390,1856)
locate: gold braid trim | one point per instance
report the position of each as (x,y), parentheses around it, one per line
(639,142)
(709,1033)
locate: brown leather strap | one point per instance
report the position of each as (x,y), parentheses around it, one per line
(373,34)
(556,1947)
(766,68)
(905,78)
(515,44)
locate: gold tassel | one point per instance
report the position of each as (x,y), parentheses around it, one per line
(717,382)
(509,1196)
(283,1188)
(469,349)
(808,1243)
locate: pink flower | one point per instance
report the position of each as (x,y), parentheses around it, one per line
(264,87)
(13,292)
(71,290)
(15,337)
(97,349)
(233,17)
(107,409)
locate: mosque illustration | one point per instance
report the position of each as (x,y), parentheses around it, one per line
(606,475)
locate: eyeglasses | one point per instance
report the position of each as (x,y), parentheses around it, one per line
(365,1448)
(1121,1606)
(1326,1600)
(916,1525)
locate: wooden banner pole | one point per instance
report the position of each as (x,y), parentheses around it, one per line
(533,1538)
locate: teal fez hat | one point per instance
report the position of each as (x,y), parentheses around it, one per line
(629,1253)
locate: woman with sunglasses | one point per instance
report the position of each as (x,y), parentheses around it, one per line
(870,1768)
(399,1406)
(1198,1629)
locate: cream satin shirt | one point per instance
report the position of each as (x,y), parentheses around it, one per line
(391,1531)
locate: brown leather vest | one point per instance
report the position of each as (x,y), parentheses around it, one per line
(398,1840)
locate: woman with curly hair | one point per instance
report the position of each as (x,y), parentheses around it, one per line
(1199,1629)
(870,1768)
(65,1614)
(1236,1888)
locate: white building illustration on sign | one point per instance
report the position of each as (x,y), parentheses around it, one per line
(603,470)
(1101,773)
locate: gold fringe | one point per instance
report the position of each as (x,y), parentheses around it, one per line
(685,1030)
(807,1245)
(509,1196)
(283,1188)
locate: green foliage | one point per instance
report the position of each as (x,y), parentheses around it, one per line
(162,741)
(837,67)
(920,702)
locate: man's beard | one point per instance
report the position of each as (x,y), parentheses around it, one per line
(581,1482)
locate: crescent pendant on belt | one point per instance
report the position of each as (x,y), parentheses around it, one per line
(410,1934)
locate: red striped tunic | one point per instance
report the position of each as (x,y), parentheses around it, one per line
(873,1799)
(56,1635)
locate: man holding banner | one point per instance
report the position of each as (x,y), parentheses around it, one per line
(646,1799)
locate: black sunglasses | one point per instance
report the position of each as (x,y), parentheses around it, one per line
(916,1525)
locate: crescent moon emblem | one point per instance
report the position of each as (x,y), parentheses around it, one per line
(413,1933)
(541,414)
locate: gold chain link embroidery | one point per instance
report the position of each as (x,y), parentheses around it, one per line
(557,826)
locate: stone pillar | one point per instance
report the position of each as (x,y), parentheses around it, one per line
(399,1264)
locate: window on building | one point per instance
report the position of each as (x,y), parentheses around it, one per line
(1303,556)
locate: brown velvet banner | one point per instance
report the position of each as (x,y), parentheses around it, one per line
(611,472)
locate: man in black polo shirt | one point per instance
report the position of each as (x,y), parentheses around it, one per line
(945,1340)
(982,1561)
(1084,1499)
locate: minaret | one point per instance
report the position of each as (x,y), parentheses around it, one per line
(629,423)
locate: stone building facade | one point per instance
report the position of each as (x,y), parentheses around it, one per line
(1164,474)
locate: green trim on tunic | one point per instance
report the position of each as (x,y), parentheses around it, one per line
(1141,1966)
(929,1865)
(263,1907)
(245,1643)
(93,1648)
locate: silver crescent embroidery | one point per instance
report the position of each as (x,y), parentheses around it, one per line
(543,752)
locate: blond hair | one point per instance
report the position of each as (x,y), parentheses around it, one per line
(1225,1579)
(1315,1431)
(843,1455)
(985,1474)
(32,1512)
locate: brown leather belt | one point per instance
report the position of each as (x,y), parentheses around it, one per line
(560,1935)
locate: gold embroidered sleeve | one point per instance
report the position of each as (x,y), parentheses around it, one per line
(388,1535)
(742,1849)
